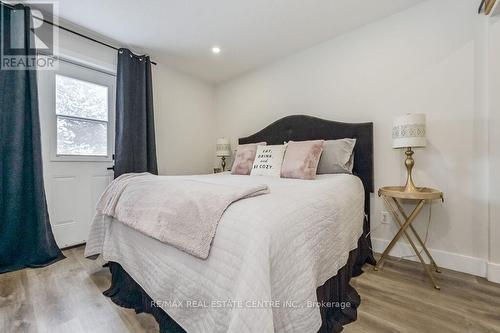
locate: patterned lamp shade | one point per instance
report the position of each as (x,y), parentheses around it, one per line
(223,148)
(409,131)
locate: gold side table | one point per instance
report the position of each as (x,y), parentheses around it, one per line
(392,196)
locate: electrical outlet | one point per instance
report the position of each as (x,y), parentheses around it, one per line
(385,217)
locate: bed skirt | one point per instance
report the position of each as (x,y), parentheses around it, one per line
(344,299)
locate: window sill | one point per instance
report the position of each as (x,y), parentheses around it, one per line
(80,158)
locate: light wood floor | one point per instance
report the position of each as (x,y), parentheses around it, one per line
(66,297)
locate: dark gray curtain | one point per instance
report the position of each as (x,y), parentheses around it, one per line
(26,238)
(135,149)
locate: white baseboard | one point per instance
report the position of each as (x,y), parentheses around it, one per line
(453,261)
(493,272)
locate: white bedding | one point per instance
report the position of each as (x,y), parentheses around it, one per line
(179,212)
(279,247)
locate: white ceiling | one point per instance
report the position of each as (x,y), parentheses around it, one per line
(251,33)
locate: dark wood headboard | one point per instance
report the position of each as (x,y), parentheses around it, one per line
(301,128)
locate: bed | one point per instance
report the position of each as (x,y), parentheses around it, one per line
(279,262)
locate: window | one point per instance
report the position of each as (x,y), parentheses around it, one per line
(82,117)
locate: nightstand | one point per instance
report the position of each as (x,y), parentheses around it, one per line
(392,196)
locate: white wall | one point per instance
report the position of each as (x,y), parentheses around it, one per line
(425,59)
(85,51)
(494,146)
(184,121)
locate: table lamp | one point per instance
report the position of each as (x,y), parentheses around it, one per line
(408,132)
(223,150)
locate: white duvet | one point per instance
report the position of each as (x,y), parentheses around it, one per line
(268,257)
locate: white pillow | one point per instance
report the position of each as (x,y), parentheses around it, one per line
(268,161)
(337,156)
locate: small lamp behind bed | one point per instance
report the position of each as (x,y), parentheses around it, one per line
(223,150)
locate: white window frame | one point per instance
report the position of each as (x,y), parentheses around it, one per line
(90,75)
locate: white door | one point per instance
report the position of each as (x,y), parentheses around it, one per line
(77,112)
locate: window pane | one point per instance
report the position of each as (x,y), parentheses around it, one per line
(81,99)
(80,137)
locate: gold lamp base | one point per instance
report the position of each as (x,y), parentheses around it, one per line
(409,163)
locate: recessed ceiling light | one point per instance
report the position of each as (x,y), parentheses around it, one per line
(215,50)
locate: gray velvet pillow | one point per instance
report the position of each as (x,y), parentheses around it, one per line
(337,156)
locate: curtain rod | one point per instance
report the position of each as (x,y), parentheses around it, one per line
(70,31)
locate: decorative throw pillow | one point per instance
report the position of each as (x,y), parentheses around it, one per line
(337,157)
(301,159)
(268,161)
(244,157)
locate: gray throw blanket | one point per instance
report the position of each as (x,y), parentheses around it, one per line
(181,212)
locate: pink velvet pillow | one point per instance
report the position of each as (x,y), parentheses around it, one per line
(301,159)
(245,155)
